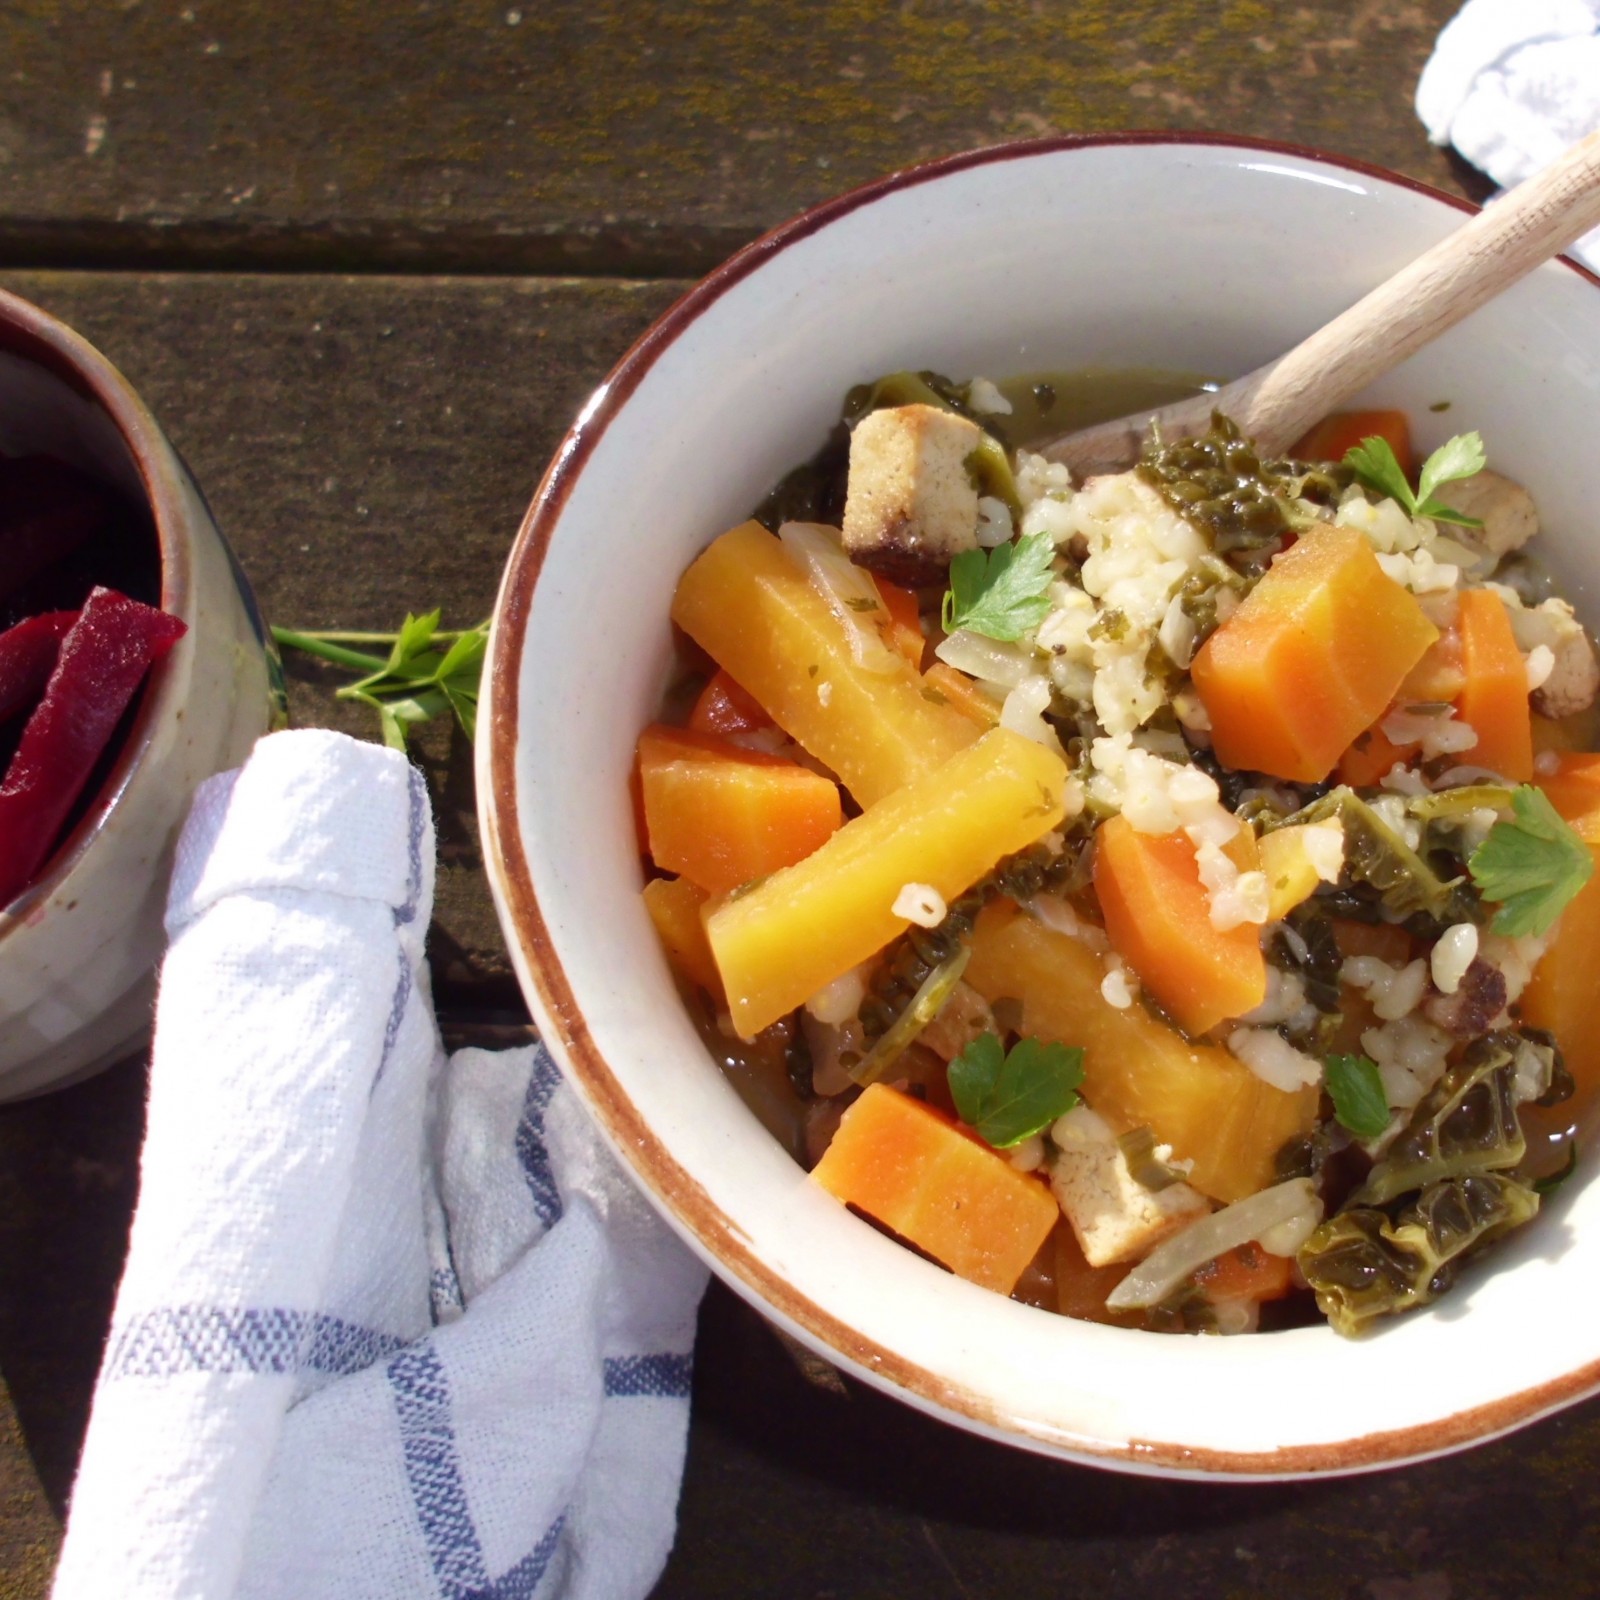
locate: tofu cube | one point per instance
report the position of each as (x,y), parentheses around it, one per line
(1114,1217)
(1575,678)
(912,502)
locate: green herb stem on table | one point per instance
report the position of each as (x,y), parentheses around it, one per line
(428,671)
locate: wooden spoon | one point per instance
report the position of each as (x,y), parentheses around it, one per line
(1275,404)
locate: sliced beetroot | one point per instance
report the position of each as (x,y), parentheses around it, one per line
(47,510)
(27,658)
(102,661)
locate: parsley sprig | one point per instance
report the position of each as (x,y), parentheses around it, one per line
(1006,1096)
(1461,457)
(1531,865)
(427,673)
(1356,1089)
(1000,593)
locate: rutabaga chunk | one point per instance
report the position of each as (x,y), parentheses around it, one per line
(781,941)
(751,607)
(1210,1108)
(911,503)
(1114,1216)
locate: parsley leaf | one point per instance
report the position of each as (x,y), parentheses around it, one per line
(1005,1097)
(1461,457)
(426,674)
(1532,865)
(1356,1089)
(1000,593)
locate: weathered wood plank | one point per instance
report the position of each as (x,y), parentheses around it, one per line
(616,134)
(29,1532)
(369,446)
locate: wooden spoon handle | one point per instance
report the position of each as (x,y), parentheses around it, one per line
(1276,403)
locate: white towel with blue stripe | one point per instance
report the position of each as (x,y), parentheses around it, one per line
(392,1325)
(1513,83)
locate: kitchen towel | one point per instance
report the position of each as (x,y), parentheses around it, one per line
(1513,83)
(392,1325)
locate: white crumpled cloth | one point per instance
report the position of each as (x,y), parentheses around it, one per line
(392,1325)
(1513,83)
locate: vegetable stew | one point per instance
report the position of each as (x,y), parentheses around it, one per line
(1166,898)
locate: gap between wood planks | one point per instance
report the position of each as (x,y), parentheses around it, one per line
(625,250)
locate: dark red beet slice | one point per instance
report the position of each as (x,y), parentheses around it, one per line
(46,511)
(103,659)
(27,658)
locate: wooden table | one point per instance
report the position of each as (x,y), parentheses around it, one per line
(365,262)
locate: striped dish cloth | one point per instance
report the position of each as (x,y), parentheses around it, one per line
(1513,83)
(391,1325)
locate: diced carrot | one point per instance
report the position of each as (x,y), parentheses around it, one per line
(1437,677)
(1310,659)
(1372,755)
(1494,695)
(1384,940)
(723,707)
(722,815)
(1561,996)
(674,906)
(1158,916)
(916,1172)
(903,631)
(1334,435)
(963,693)
(1248,1273)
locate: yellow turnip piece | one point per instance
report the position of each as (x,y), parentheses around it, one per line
(1138,1072)
(778,943)
(759,617)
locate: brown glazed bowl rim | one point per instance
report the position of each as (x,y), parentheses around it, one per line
(672,1187)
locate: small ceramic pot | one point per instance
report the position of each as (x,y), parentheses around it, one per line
(1185,254)
(78,949)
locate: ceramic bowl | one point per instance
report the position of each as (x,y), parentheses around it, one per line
(1205,255)
(78,949)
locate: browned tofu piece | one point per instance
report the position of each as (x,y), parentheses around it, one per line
(912,502)
(1505,509)
(1114,1217)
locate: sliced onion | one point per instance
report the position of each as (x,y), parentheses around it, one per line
(1023,713)
(1177,634)
(1463,777)
(851,594)
(1172,1264)
(986,659)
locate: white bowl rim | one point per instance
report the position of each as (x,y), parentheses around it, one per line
(672,1188)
